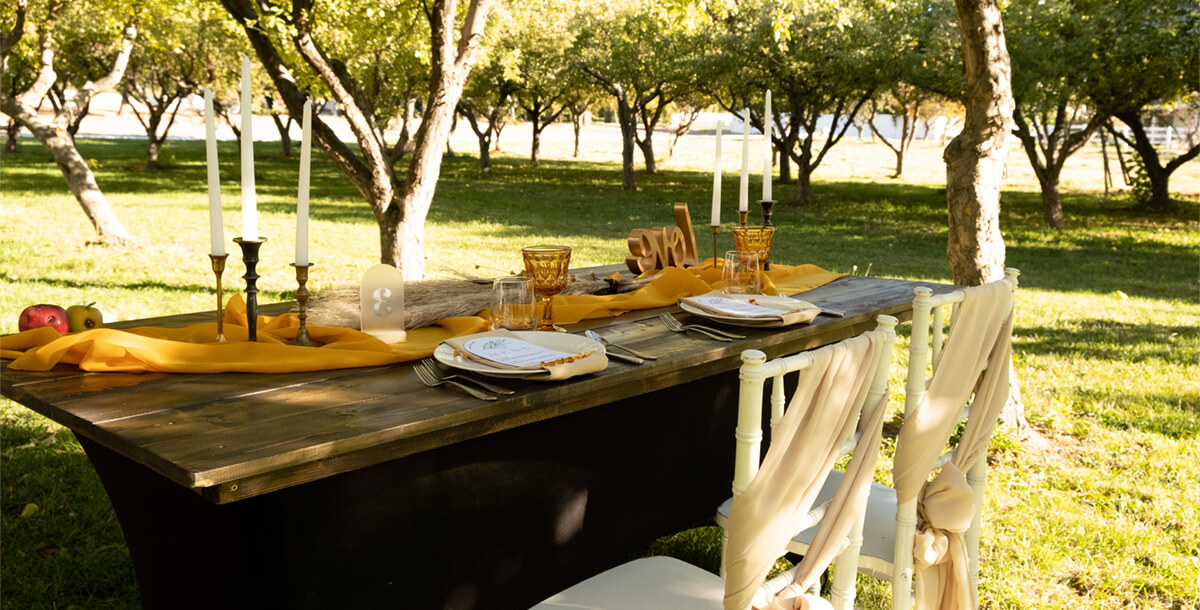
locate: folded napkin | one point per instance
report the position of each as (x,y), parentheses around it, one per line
(720,304)
(505,350)
(193,349)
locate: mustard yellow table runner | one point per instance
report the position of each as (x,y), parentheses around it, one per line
(194,349)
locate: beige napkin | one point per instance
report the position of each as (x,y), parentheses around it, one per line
(796,316)
(563,367)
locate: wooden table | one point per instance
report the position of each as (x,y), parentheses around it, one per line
(363,488)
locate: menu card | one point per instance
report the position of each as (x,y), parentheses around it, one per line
(512,352)
(734,308)
(752,310)
(504,349)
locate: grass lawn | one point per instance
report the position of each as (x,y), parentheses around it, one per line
(1103,514)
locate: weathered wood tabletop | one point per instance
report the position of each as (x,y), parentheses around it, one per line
(364,488)
(235,435)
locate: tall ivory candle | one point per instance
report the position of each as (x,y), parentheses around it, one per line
(215,228)
(744,190)
(249,205)
(768,129)
(716,200)
(302,197)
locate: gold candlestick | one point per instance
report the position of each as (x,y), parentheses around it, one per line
(218,267)
(716,230)
(302,337)
(743,216)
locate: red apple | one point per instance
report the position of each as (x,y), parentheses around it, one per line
(36,316)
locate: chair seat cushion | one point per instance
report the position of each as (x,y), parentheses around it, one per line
(879,527)
(649,583)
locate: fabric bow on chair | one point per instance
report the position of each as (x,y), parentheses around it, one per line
(977,359)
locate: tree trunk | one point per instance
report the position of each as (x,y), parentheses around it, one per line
(82,183)
(803,185)
(577,125)
(1052,210)
(535,147)
(647,146)
(785,168)
(628,122)
(975,164)
(975,158)
(485,152)
(153,147)
(12,136)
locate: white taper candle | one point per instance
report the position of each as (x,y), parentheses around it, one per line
(716,200)
(249,204)
(302,197)
(215,228)
(768,129)
(744,187)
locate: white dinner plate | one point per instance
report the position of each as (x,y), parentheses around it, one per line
(783,304)
(563,342)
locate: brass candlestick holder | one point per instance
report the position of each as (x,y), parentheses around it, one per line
(218,267)
(250,258)
(767,204)
(302,337)
(716,230)
(743,216)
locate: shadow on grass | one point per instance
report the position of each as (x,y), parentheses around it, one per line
(62,544)
(1174,415)
(1110,340)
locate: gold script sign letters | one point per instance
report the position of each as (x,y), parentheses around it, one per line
(661,247)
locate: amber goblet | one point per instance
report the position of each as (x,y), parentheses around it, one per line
(547,267)
(757,240)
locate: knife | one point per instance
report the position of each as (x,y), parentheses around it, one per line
(629,359)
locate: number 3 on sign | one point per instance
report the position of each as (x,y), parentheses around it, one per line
(381,299)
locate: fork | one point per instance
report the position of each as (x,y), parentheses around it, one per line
(428,378)
(676,326)
(431,365)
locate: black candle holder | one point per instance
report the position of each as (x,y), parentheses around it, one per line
(250,257)
(767,204)
(218,267)
(302,337)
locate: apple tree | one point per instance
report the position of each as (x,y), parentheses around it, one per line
(630,50)
(1146,55)
(540,37)
(1051,45)
(39,25)
(298,42)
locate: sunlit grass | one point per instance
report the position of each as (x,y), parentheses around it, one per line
(1106,342)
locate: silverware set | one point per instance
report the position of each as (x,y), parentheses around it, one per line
(676,326)
(433,376)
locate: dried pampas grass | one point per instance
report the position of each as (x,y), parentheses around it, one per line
(429,301)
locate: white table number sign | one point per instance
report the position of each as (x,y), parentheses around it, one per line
(382,303)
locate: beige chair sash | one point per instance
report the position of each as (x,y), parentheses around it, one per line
(824,411)
(982,334)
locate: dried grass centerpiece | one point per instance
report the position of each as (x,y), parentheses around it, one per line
(429,301)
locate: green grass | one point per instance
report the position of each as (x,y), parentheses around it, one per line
(1104,516)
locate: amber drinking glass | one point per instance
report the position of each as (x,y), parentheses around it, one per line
(547,267)
(757,240)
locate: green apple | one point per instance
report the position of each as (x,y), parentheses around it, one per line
(84,317)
